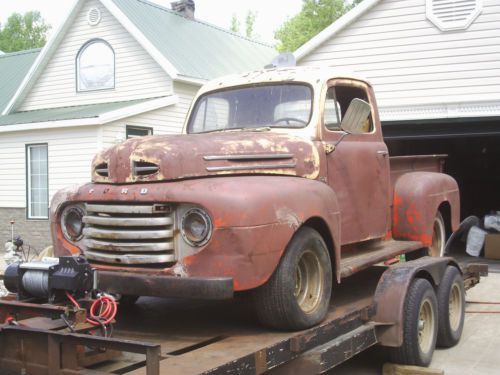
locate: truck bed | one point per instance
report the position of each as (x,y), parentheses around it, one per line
(415,163)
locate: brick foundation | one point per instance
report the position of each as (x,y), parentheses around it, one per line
(35,233)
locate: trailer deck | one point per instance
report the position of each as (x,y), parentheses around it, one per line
(191,337)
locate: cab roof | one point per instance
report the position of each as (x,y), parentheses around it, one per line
(308,74)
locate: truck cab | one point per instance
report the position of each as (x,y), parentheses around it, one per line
(281,184)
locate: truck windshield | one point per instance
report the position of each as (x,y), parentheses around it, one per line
(263,106)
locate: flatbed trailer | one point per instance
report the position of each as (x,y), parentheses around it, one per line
(164,336)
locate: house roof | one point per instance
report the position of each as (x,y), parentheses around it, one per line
(96,114)
(188,50)
(14,67)
(195,48)
(335,28)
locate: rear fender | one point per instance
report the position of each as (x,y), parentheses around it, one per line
(417,197)
(389,300)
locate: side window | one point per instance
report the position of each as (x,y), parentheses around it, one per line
(37,179)
(212,113)
(332,111)
(345,94)
(137,131)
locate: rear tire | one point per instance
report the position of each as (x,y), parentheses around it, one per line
(451,308)
(438,236)
(298,293)
(420,326)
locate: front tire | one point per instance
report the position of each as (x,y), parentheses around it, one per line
(420,326)
(451,308)
(298,293)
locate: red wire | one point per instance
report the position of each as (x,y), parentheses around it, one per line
(107,313)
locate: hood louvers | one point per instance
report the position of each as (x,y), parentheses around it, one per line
(144,168)
(102,170)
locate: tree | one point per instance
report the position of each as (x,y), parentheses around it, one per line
(249,24)
(235,24)
(315,16)
(22,32)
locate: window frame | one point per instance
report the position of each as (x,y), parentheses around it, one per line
(147,128)
(77,66)
(200,98)
(338,84)
(29,216)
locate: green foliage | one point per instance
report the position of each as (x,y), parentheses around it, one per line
(22,32)
(249,24)
(315,16)
(235,24)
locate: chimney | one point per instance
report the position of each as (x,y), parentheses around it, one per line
(184,8)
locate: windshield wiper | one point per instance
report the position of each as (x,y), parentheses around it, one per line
(260,129)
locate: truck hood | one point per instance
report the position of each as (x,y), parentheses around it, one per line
(172,157)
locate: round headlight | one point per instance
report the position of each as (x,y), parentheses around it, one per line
(72,222)
(196,227)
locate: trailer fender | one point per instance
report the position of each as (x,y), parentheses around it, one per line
(417,199)
(389,299)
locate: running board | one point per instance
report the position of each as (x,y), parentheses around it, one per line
(371,253)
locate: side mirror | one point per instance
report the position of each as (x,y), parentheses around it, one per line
(356,116)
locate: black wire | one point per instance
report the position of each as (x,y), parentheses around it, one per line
(66,321)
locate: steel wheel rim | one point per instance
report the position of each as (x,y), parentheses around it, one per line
(455,307)
(308,282)
(426,326)
(437,246)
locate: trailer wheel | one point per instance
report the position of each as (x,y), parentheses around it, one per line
(438,237)
(451,308)
(298,293)
(420,326)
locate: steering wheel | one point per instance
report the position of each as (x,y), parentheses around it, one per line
(288,119)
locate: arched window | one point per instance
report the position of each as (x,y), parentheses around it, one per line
(95,66)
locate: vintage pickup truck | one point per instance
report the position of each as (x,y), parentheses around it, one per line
(281,184)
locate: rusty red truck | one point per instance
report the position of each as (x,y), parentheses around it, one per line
(281,184)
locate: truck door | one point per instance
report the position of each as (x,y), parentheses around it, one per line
(358,165)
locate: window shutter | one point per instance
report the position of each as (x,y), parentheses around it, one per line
(453,14)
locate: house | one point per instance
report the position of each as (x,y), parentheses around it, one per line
(435,67)
(114,69)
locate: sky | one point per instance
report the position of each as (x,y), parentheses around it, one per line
(270,13)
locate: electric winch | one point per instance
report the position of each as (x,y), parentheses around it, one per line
(50,278)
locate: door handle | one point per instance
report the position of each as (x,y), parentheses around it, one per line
(382,152)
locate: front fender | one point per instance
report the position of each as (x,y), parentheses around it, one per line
(417,197)
(254,218)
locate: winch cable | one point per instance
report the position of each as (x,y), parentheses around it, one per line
(107,310)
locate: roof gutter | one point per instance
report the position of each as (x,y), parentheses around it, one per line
(101,119)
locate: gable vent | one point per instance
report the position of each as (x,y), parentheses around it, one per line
(453,14)
(93,16)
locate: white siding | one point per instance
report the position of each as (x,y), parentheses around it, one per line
(168,120)
(137,75)
(410,61)
(70,152)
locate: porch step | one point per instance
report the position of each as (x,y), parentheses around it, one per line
(370,253)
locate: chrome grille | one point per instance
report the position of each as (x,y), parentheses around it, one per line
(129,234)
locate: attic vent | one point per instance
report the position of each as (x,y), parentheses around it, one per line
(93,16)
(453,14)
(102,170)
(144,168)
